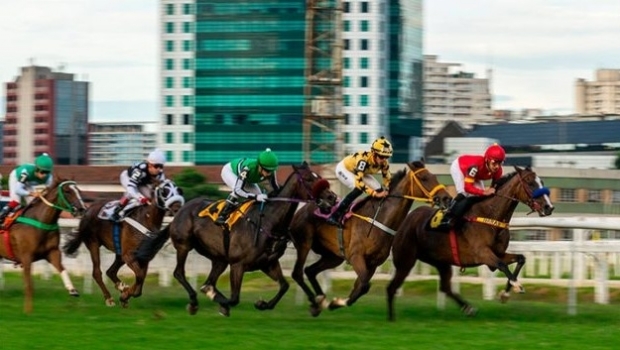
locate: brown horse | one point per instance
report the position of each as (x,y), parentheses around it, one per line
(254,242)
(480,238)
(365,239)
(123,238)
(32,233)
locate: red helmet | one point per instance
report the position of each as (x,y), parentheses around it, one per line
(495,152)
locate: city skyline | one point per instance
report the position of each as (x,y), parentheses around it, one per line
(537,49)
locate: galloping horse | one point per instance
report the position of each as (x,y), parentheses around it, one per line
(253,242)
(32,233)
(366,238)
(481,238)
(123,238)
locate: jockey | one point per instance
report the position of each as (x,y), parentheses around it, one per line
(22,180)
(137,180)
(243,176)
(468,173)
(355,171)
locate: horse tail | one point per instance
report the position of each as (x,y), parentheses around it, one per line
(76,237)
(150,246)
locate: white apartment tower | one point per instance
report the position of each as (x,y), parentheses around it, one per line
(601,96)
(453,95)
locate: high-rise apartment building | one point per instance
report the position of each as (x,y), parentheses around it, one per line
(453,95)
(233,77)
(115,143)
(46,112)
(601,96)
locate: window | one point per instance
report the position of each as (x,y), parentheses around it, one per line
(187,82)
(594,196)
(346,26)
(170,9)
(346,82)
(169,63)
(346,44)
(364,26)
(169,101)
(346,118)
(187,27)
(187,119)
(187,9)
(363,119)
(364,100)
(346,7)
(169,27)
(364,137)
(346,100)
(346,63)
(347,137)
(187,45)
(169,45)
(615,196)
(187,63)
(169,119)
(364,8)
(187,101)
(169,137)
(363,82)
(364,63)
(187,156)
(567,195)
(169,82)
(364,44)
(187,137)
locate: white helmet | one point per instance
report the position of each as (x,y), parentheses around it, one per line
(156,157)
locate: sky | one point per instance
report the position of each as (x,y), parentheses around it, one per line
(535,48)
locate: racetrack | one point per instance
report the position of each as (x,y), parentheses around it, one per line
(158,320)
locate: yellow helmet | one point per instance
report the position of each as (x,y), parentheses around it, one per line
(382,147)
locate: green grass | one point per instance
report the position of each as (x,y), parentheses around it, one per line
(158,320)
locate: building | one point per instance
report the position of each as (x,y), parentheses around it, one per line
(46,112)
(453,95)
(120,143)
(601,96)
(382,69)
(232,80)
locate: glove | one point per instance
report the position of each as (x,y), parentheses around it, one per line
(144,200)
(261,197)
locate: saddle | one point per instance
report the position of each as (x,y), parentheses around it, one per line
(212,210)
(107,209)
(10,219)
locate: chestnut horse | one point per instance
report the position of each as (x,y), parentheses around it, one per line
(32,233)
(123,238)
(365,239)
(481,237)
(254,242)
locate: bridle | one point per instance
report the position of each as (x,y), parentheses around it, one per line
(309,190)
(531,195)
(63,204)
(416,181)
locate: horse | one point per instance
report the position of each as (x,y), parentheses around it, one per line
(481,237)
(122,238)
(366,237)
(255,241)
(32,233)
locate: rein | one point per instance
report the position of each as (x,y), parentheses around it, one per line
(64,203)
(429,194)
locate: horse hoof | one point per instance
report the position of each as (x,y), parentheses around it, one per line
(110,302)
(261,305)
(315,310)
(469,310)
(192,309)
(224,311)
(74,293)
(504,296)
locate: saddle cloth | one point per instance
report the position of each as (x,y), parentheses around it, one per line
(213,211)
(107,209)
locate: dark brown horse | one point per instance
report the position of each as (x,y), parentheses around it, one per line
(34,234)
(365,239)
(254,242)
(123,238)
(480,238)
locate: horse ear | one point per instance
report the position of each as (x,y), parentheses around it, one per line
(518,168)
(422,160)
(305,164)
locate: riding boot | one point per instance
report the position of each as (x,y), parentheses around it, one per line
(4,213)
(116,215)
(452,212)
(337,215)
(231,204)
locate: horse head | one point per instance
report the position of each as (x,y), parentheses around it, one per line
(525,186)
(64,195)
(420,185)
(310,186)
(168,196)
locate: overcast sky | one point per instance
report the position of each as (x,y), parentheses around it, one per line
(536,48)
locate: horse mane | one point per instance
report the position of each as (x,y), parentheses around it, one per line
(504,179)
(397,177)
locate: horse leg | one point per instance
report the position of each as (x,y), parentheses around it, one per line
(273,270)
(27,278)
(236,279)
(512,285)
(112,273)
(298,273)
(54,257)
(492,261)
(209,287)
(97,276)
(135,290)
(328,261)
(179,275)
(361,285)
(445,285)
(402,268)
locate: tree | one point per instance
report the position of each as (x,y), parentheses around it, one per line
(195,184)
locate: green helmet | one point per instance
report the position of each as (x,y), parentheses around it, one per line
(44,162)
(268,160)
